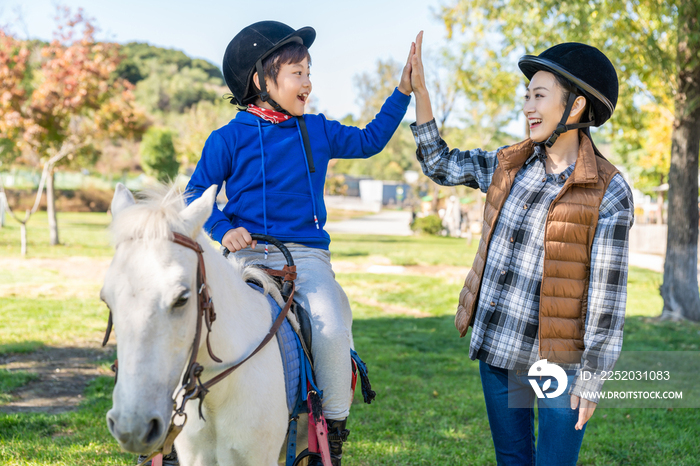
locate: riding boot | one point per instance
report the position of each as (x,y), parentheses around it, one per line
(168,460)
(337,434)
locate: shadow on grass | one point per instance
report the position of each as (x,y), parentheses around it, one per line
(350,254)
(88,226)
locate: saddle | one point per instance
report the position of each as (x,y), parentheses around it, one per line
(303,396)
(295,338)
(299,311)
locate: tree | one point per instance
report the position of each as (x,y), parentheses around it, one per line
(680,287)
(399,154)
(654,47)
(443,88)
(373,88)
(168,81)
(14,86)
(67,102)
(158,154)
(194,126)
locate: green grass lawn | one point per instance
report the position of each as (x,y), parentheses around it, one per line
(80,234)
(49,321)
(402,250)
(429,408)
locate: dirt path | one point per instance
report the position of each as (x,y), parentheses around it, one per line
(63,375)
(63,371)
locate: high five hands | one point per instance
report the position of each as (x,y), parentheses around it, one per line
(416,81)
(405,83)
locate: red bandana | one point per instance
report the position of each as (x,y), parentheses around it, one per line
(267,114)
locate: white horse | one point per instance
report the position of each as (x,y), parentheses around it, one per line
(150,288)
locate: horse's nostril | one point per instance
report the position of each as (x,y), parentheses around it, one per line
(110,424)
(154,431)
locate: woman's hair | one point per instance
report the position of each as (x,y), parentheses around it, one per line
(291,53)
(567,87)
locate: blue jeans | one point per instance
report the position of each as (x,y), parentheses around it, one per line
(513,428)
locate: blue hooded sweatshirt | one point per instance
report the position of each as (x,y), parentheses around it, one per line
(269,186)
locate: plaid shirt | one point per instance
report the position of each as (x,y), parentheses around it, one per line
(505,334)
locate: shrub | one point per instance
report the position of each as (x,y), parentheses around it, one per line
(158,157)
(430,224)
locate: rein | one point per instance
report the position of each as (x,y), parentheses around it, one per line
(192,386)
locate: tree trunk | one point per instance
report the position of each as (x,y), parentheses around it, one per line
(436,199)
(3,200)
(51,208)
(23,237)
(680,286)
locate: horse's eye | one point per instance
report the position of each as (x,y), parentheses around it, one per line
(182,300)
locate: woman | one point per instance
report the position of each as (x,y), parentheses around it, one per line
(549,280)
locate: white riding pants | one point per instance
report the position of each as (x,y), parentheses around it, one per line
(331,319)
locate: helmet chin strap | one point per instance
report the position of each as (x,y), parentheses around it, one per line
(562,127)
(265,97)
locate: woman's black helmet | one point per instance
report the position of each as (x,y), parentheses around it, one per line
(246,51)
(585,67)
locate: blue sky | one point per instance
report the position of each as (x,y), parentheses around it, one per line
(351,35)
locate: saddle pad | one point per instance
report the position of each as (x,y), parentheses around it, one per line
(289,350)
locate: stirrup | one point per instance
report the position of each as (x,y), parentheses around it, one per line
(337,435)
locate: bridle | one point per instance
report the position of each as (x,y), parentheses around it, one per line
(192,387)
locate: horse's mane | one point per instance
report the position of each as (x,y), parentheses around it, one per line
(252,273)
(156,215)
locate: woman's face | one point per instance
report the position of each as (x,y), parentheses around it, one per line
(543,105)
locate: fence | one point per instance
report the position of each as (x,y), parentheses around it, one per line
(649,239)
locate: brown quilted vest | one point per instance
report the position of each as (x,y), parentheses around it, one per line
(569,230)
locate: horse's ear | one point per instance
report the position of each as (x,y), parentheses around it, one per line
(199,211)
(121,200)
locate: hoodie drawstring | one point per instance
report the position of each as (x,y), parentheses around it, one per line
(262,163)
(308,174)
(264,181)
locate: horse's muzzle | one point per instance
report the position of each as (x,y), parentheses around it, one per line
(138,433)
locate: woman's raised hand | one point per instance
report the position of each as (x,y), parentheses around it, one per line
(405,83)
(424,111)
(417,72)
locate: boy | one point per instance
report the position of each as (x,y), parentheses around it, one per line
(273,159)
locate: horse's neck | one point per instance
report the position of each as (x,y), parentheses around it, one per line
(242,314)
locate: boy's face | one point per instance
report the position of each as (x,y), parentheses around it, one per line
(293,87)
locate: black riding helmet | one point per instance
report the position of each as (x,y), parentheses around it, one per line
(589,70)
(246,51)
(244,56)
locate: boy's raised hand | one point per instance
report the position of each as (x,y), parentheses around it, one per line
(405,83)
